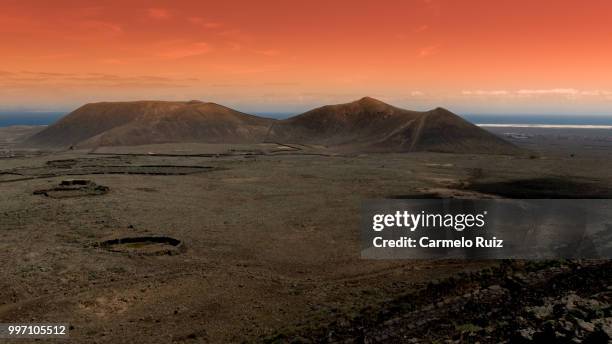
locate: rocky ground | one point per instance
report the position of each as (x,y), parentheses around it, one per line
(517,302)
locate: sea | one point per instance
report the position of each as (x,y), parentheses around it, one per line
(484,120)
(8,119)
(542,121)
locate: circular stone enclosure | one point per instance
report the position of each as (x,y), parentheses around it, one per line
(74,188)
(145,245)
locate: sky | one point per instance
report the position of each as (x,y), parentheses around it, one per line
(470,56)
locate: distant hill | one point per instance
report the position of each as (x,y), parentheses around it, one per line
(371,125)
(365,125)
(147,122)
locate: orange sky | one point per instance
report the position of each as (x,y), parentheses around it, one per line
(469,55)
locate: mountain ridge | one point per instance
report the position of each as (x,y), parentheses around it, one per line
(367,125)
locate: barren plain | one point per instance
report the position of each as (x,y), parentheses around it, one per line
(194,243)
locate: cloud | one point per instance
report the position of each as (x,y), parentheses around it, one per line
(278,83)
(101,26)
(55,56)
(112,61)
(417,93)
(267,52)
(44,80)
(204,23)
(193,49)
(239,69)
(563,91)
(421,28)
(428,51)
(228,85)
(236,39)
(486,93)
(596,93)
(158,13)
(46,74)
(281,83)
(569,93)
(234,35)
